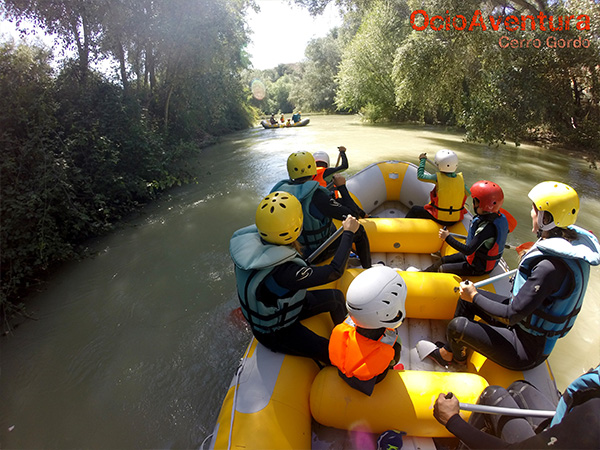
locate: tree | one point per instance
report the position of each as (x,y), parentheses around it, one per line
(364,78)
(499,93)
(317,87)
(75,22)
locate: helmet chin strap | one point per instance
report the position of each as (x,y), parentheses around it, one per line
(541,225)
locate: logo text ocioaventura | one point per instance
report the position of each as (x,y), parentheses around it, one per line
(420,21)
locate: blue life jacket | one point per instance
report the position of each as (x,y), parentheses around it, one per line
(493,254)
(316,227)
(556,316)
(254,261)
(584,388)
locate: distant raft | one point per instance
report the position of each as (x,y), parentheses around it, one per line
(267,124)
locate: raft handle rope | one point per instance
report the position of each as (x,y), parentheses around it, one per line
(235,391)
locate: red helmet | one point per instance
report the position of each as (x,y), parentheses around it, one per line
(489,194)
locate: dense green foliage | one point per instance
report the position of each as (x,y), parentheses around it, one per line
(537,82)
(81,150)
(497,90)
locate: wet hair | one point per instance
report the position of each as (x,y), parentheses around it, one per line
(565,233)
(296,245)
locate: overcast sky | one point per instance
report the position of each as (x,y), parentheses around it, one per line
(282,31)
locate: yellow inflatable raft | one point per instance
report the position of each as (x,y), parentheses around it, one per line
(274,398)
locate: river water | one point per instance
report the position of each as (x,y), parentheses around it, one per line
(135,347)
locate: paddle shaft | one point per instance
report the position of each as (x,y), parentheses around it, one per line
(325,244)
(492,279)
(502,410)
(462,236)
(485,409)
(330,186)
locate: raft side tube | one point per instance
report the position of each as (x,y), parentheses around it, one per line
(403,401)
(402,235)
(429,295)
(271,403)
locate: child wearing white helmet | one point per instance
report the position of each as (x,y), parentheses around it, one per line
(447,205)
(324,172)
(366,345)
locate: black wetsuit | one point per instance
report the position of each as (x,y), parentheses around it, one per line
(499,339)
(339,209)
(457,263)
(296,339)
(367,386)
(332,170)
(579,429)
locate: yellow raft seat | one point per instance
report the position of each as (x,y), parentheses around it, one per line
(403,401)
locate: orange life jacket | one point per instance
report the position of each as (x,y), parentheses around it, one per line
(448,198)
(319,178)
(358,356)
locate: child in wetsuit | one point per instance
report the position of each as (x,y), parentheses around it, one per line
(487,235)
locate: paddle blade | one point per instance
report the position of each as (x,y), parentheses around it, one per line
(524,247)
(237,318)
(512,222)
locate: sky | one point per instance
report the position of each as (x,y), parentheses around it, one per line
(280,31)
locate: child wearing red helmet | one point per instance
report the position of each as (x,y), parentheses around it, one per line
(486,239)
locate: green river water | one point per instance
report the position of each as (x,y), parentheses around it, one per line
(135,347)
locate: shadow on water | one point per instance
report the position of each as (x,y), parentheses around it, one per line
(137,345)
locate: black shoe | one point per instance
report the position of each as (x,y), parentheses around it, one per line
(437,358)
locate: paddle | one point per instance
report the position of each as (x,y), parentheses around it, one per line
(462,236)
(487,409)
(512,222)
(314,255)
(506,411)
(330,186)
(489,280)
(337,163)
(493,279)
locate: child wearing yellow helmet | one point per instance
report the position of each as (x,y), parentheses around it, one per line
(519,332)
(319,208)
(273,280)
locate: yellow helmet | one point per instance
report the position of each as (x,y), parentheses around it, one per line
(558,199)
(301,164)
(279,218)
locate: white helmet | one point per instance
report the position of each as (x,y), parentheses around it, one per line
(322,157)
(446,161)
(376,298)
